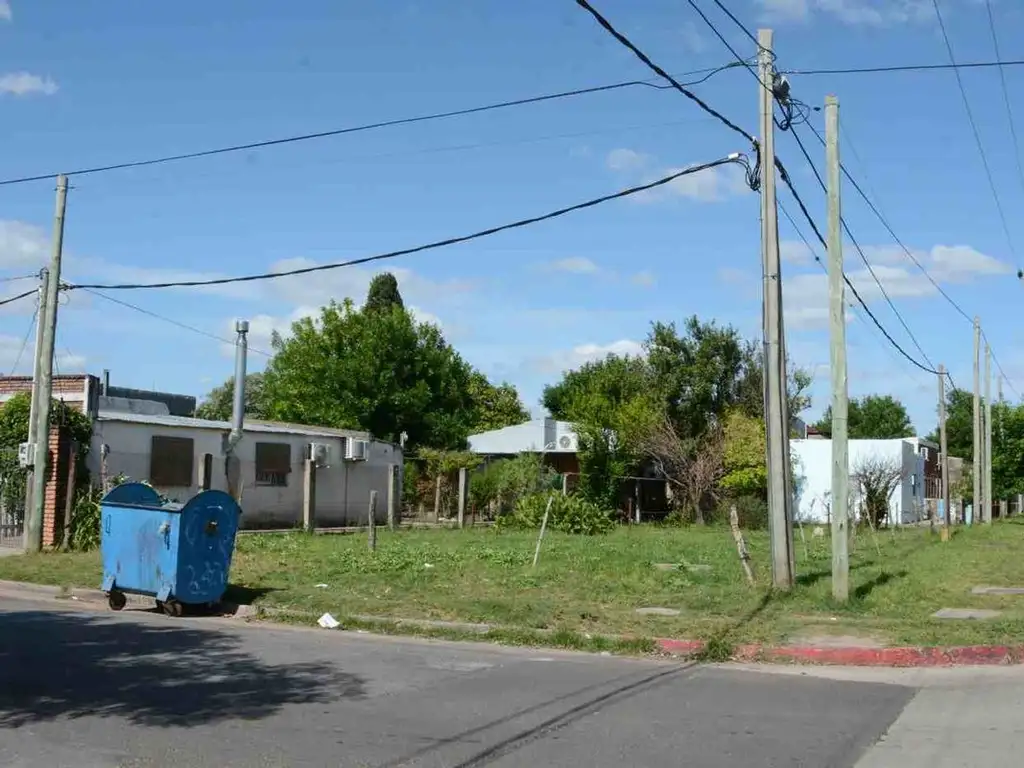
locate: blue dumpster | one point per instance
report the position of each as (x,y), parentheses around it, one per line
(178,553)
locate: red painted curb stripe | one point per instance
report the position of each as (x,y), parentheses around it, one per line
(862,657)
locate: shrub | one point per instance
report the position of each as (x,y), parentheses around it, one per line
(506,481)
(569,514)
(751,510)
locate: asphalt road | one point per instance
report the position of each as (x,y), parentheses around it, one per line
(81,688)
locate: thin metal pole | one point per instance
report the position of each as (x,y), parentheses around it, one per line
(44,278)
(943,456)
(776,419)
(977,468)
(44,380)
(987,512)
(837,357)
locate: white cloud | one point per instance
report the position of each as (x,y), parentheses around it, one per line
(22,245)
(579,265)
(874,13)
(710,185)
(567,360)
(644,278)
(5,11)
(16,354)
(795,252)
(25,83)
(626,160)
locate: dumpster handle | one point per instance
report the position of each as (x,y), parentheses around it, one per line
(106,524)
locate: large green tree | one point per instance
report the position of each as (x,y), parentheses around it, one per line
(872,417)
(219,403)
(378,371)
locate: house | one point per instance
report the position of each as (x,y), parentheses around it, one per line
(168,451)
(153,436)
(813,476)
(556,440)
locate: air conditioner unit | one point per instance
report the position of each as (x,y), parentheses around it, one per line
(356,450)
(320,453)
(567,442)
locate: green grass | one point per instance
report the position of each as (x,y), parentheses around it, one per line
(586,589)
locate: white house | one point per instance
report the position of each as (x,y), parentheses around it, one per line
(812,472)
(545,435)
(168,451)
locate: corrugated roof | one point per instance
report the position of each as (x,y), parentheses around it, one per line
(275,427)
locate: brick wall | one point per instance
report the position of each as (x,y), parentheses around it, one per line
(62,385)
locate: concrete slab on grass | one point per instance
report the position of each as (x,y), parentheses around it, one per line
(835,641)
(997,591)
(965,613)
(655,611)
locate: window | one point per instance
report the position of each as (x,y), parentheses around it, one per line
(273,463)
(924,453)
(170,461)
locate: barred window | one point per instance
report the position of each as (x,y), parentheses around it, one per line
(171,461)
(273,463)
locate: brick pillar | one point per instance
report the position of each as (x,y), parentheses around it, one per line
(56,486)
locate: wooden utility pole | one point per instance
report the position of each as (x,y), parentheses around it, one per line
(977,468)
(943,457)
(776,411)
(987,479)
(837,359)
(42,390)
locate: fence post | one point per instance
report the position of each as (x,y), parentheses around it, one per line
(463,493)
(309,496)
(1003,504)
(437,498)
(69,495)
(565,483)
(372,521)
(392,494)
(205,471)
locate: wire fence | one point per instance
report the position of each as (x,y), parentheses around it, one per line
(12,499)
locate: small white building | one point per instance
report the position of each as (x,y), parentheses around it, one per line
(168,451)
(812,473)
(545,435)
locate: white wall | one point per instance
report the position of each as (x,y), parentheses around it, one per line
(342,488)
(814,476)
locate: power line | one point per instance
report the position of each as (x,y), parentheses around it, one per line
(708,73)
(974,130)
(737,158)
(15,278)
(1006,93)
(906,68)
(863,257)
(20,296)
(661,72)
(178,323)
(24,341)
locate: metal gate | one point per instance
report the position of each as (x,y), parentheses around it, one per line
(12,500)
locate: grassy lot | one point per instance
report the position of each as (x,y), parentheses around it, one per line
(592,585)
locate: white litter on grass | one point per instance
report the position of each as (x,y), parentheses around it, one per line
(328,622)
(428,565)
(320,586)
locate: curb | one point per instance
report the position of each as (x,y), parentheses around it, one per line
(88,595)
(910,656)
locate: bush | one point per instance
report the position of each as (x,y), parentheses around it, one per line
(506,481)
(569,514)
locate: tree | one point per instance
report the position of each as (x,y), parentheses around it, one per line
(377,371)
(383,293)
(744,467)
(219,403)
(876,477)
(873,417)
(494,406)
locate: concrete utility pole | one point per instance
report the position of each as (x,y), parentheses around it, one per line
(776,412)
(44,277)
(943,458)
(232,465)
(42,389)
(977,468)
(987,512)
(837,358)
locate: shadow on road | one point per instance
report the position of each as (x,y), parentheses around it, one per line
(77,665)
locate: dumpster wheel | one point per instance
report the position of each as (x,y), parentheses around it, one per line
(116,599)
(171,607)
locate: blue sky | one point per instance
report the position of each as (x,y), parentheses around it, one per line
(101,81)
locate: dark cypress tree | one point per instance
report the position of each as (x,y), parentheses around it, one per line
(383,293)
